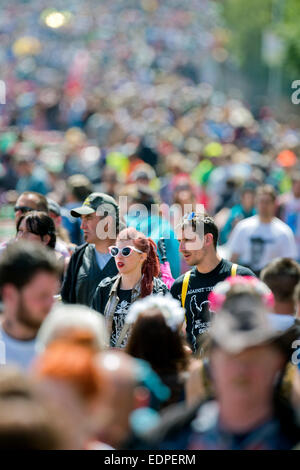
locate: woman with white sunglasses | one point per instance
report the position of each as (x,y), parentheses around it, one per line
(138,266)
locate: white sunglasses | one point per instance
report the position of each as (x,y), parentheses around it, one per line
(126,251)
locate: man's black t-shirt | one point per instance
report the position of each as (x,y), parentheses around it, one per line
(198,313)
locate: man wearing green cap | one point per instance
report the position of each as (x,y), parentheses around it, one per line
(92,262)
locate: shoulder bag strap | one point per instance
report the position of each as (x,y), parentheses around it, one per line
(185,285)
(234,269)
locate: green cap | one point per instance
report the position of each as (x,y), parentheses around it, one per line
(93,201)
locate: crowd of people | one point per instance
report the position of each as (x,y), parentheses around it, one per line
(102,348)
(149,238)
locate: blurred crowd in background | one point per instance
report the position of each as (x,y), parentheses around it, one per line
(129,90)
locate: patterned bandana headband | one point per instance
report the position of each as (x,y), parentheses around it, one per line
(168,306)
(218,296)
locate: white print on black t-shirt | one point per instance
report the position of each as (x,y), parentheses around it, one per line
(199,326)
(119,320)
(201,289)
(198,291)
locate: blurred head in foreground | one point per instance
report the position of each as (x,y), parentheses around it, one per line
(248,354)
(157,321)
(27,420)
(281,276)
(67,369)
(29,279)
(131,395)
(64,320)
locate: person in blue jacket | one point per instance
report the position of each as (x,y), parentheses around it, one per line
(153,225)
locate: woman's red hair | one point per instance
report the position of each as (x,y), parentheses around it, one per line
(71,359)
(151,266)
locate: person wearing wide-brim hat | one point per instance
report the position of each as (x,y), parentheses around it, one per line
(247,359)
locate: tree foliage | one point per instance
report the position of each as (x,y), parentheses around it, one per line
(247,22)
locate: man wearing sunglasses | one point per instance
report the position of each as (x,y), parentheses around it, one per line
(92,261)
(26,202)
(30,201)
(198,237)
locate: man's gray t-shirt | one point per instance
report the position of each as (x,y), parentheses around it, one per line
(16,352)
(102,258)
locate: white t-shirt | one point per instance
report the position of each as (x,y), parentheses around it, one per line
(257,244)
(16,352)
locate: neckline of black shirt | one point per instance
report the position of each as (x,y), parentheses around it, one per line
(124,290)
(212,273)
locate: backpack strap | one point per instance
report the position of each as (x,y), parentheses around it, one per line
(185,285)
(234,269)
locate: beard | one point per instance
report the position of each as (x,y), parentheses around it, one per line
(196,259)
(25,318)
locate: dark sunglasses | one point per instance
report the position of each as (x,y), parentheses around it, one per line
(126,251)
(23,209)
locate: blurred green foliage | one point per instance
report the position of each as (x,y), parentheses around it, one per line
(290,31)
(248,20)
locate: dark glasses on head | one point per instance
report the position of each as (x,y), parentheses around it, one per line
(126,251)
(23,209)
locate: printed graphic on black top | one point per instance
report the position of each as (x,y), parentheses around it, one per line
(197,305)
(201,314)
(119,316)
